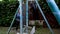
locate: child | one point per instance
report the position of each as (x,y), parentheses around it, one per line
(23,17)
(17,21)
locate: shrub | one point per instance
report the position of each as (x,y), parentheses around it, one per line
(7,11)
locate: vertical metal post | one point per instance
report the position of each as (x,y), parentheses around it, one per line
(27,16)
(44,16)
(21,22)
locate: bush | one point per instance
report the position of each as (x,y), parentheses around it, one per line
(7,11)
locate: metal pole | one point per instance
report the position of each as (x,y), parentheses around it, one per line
(12,22)
(27,16)
(21,22)
(44,17)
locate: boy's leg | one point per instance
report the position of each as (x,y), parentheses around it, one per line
(17,25)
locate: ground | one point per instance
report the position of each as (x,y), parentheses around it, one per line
(3,30)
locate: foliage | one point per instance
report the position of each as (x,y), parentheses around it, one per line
(7,11)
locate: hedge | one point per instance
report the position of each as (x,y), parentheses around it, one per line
(7,11)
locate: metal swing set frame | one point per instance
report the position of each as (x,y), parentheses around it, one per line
(21,20)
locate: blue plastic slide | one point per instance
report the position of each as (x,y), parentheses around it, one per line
(55,10)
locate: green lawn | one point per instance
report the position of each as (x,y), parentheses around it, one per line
(3,30)
(42,31)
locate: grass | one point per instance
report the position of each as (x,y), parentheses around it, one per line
(42,31)
(3,30)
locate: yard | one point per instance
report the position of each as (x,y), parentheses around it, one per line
(3,30)
(8,9)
